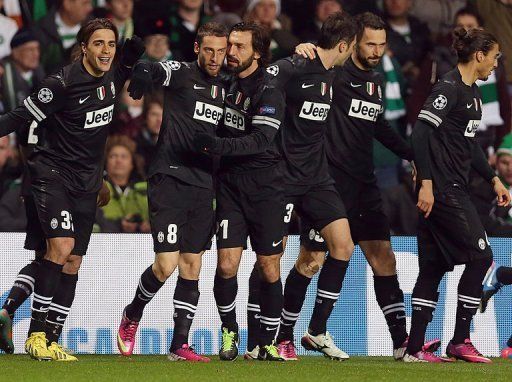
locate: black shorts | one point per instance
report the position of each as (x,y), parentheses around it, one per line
(35,239)
(251,204)
(453,233)
(63,212)
(363,203)
(317,206)
(181,215)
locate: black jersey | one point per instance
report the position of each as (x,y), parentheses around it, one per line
(193,103)
(251,106)
(454,109)
(355,118)
(306,87)
(27,138)
(73,110)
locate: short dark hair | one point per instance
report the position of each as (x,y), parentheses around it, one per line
(338,27)
(210,29)
(368,20)
(467,42)
(470,12)
(91,26)
(260,40)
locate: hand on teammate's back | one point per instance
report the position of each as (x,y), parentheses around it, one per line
(306,50)
(132,50)
(502,194)
(141,80)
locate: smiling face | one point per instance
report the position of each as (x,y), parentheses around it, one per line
(486,63)
(99,52)
(211,53)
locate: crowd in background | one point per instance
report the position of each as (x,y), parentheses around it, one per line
(37,37)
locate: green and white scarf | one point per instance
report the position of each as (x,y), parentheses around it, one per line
(490,104)
(393,100)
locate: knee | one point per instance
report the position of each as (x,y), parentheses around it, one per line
(341,249)
(72,265)
(190,266)
(383,263)
(309,264)
(59,249)
(269,268)
(163,269)
(226,268)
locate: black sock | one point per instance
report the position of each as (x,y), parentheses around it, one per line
(391,300)
(469,292)
(271,302)
(504,275)
(60,306)
(225,291)
(47,280)
(186,297)
(295,290)
(22,288)
(253,310)
(424,302)
(148,286)
(330,282)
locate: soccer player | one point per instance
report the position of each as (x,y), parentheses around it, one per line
(450,231)
(357,116)
(34,241)
(305,86)
(73,109)
(180,184)
(250,197)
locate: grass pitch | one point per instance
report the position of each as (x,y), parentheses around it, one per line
(156,368)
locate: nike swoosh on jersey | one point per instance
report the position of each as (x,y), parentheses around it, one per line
(197,87)
(469,106)
(355,85)
(81,101)
(305,86)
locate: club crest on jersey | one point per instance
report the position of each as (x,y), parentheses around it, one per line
(379,91)
(223,94)
(477,103)
(247,102)
(370,88)
(113,89)
(323,88)
(238,98)
(215,91)
(101,92)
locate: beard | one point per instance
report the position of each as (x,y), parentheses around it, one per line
(241,66)
(365,61)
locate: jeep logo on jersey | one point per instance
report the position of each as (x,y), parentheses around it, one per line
(364,110)
(101,92)
(99,117)
(314,111)
(471,128)
(208,113)
(234,119)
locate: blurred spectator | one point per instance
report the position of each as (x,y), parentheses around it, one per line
(497,16)
(496,108)
(324,8)
(497,220)
(268,14)
(408,38)
(8,28)
(7,171)
(227,12)
(120,11)
(57,32)
(437,14)
(12,209)
(127,210)
(178,20)
(22,72)
(127,115)
(157,48)
(148,136)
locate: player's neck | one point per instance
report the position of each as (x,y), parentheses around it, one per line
(468,73)
(90,69)
(250,70)
(327,57)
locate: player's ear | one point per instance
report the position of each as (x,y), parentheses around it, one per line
(479,55)
(82,46)
(342,46)
(196,47)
